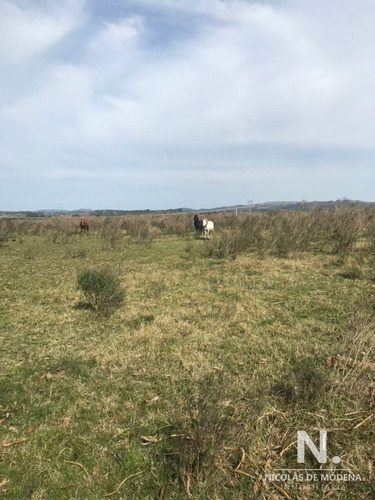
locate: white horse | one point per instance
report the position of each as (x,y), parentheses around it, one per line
(208,227)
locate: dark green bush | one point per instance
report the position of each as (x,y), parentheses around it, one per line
(101,288)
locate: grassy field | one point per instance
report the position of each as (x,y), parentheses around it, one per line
(197,385)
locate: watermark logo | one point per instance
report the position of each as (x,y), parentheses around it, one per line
(314,478)
(321,455)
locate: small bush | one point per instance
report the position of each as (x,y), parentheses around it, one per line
(111,232)
(346,225)
(141,230)
(101,288)
(207,431)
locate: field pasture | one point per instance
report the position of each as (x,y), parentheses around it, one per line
(196,385)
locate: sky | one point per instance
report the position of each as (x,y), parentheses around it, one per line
(157,104)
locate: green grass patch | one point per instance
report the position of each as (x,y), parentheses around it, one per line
(208,366)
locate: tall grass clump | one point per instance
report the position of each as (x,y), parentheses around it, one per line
(178,224)
(8,228)
(286,233)
(279,235)
(305,384)
(111,232)
(208,430)
(346,223)
(370,231)
(101,288)
(228,246)
(141,230)
(3,237)
(354,363)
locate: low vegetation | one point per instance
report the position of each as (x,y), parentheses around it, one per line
(101,288)
(214,354)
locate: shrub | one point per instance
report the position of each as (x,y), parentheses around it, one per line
(279,235)
(228,246)
(207,429)
(101,288)
(141,230)
(111,232)
(286,233)
(346,225)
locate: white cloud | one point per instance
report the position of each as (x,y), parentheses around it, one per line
(26,31)
(117,36)
(81,93)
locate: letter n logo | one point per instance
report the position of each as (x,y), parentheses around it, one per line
(321,454)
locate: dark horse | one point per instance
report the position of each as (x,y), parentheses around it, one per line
(84,225)
(199,228)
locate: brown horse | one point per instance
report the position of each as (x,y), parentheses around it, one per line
(84,225)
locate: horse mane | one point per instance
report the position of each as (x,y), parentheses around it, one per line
(198,224)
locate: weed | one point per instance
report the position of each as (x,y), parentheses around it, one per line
(141,230)
(346,224)
(80,253)
(29,254)
(304,384)
(228,246)
(111,232)
(354,364)
(352,273)
(205,430)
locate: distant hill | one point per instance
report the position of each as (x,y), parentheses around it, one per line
(253,207)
